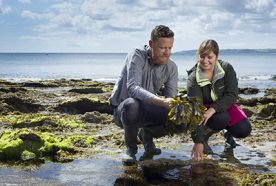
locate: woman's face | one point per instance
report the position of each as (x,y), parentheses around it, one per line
(207,61)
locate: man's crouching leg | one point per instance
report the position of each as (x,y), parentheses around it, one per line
(129,111)
(131,145)
(146,135)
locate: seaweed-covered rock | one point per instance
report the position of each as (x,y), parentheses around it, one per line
(12,89)
(258,179)
(89,90)
(23,144)
(39,84)
(248,91)
(270,92)
(21,105)
(269,110)
(41,122)
(249,111)
(254,101)
(248,102)
(83,105)
(97,117)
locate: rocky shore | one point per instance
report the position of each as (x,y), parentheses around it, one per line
(62,120)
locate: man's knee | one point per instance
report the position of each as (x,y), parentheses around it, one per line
(131,105)
(130,112)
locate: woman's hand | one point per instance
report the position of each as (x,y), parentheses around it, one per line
(197,152)
(209,113)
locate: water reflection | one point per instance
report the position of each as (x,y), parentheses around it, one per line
(172,167)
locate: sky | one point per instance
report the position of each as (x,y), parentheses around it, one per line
(121,25)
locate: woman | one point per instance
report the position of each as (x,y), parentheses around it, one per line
(215,83)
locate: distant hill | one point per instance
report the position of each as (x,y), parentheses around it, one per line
(232,51)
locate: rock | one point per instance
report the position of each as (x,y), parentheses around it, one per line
(83,105)
(248,91)
(248,102)
(267,99)
(254,101)
(97,117)
(249,111)
(270,92)
(63,156)
(273,77)
(12,89)
(39,84)
(20,104)
(161,164)
(30,137)
(90,90)
(269,110)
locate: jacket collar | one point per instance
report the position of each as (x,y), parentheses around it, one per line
(203,81)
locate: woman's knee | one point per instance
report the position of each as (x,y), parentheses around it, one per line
(219,121)
(241,129)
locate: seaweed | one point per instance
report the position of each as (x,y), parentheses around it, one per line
(185,114)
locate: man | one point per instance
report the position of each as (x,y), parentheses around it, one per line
(135,95)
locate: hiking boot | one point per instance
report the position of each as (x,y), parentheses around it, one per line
(129,158)
(146,137)
(229,140)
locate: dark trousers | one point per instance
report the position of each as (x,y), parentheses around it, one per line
(220,120)
(133,114)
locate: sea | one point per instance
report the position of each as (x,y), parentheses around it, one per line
(256,70)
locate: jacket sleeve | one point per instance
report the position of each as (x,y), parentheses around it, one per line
(135,64)
(193,89)
(230,93)
(171,84)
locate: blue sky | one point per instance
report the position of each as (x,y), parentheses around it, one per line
(120,25)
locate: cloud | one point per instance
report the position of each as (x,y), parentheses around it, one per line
(25,1)
(36,16)
(189,19)
(4,9)
(124,15)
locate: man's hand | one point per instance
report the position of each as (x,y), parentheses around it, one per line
(163,102)
(197,152)
(209,113)
(167,102)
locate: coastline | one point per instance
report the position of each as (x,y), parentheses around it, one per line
(76,115)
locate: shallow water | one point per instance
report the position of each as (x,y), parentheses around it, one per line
(108,170)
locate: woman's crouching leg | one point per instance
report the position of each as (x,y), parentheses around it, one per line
(241,129)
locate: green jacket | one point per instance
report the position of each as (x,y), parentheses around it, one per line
(222,92)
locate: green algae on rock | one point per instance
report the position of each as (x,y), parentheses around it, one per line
(81,141)
(37,120)
(25,144)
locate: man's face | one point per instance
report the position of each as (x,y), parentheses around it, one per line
(207,61)
(161,50)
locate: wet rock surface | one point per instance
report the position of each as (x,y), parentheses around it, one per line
(70,121)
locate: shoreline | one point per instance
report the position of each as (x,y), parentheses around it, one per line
(76,115)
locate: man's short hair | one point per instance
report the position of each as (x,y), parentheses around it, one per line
(161,31)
